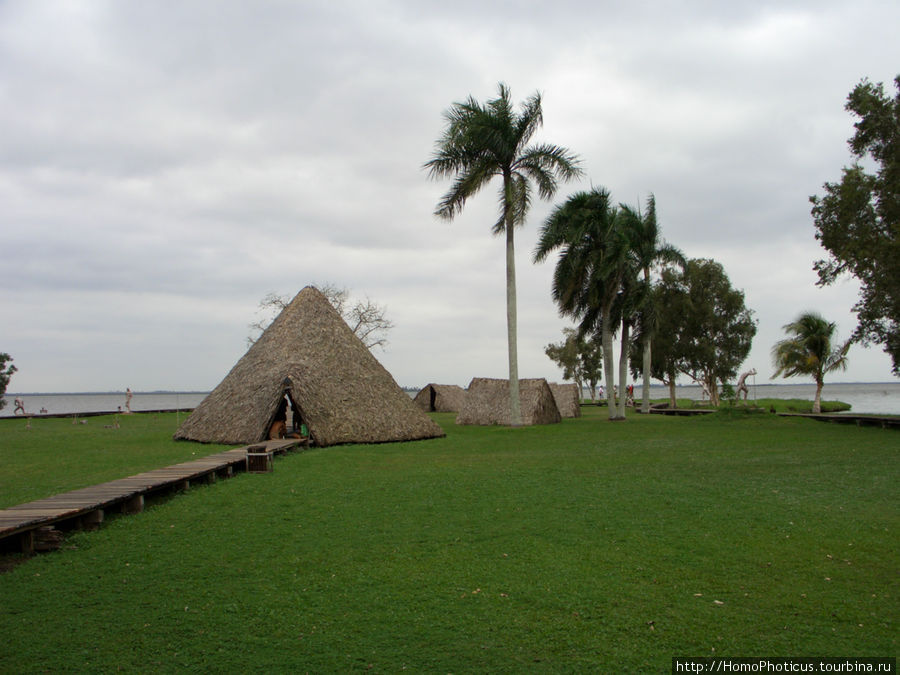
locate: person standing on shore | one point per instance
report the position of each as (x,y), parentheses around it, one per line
(20,406)
(128,396)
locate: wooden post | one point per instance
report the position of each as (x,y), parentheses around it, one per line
(26,542)
(133,505)
(92,519)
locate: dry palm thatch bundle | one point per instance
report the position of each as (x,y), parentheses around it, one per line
(567,399)
(337,387)
(441,398)
(487,402)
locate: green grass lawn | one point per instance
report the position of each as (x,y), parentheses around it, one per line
(56,455)
(587,546)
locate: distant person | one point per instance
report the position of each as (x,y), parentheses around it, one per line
(128,396)
(20,407)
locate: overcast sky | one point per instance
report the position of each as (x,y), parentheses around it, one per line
(165,165)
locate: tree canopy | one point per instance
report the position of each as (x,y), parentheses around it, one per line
(705,330)
(6,372)
(858,219)
(580,358)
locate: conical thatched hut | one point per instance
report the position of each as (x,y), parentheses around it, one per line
(487,402)
(441,398)
(567,399)
(310,358)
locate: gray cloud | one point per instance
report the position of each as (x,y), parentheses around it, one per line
(163,167)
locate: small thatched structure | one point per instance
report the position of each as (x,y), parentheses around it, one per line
(441,398)
(568,399)
(487,402)
(309,360)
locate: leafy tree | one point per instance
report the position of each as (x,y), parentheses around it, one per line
(6,372)
(589,233)
(367,319)
(581,359)
(809,351)
(481,142)
(858,219)
(705,331)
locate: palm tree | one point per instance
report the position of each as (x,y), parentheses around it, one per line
(484,141)
(649,251)
(593,245)
(628,303)
(809,351)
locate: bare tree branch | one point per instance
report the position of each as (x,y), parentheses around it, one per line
(367,319)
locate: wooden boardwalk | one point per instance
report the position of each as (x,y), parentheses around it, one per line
(681,412)
(86,507)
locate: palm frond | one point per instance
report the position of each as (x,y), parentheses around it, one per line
(530,119)
(808,350)
(483,141)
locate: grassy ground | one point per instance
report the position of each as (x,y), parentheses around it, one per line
(585,546)
(55,455)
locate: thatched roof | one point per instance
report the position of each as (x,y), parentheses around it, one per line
(568,399)
(441,398)
(344,395)
(487,402)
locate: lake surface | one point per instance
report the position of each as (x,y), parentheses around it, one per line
(58,404)
(872,398)
(877,398)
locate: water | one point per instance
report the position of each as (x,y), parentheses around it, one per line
(872,398)
(58,404)
(880,398)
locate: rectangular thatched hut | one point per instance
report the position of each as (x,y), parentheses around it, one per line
(568,399)
(441,398)
(487,402)
(310,362)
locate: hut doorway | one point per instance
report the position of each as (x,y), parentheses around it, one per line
(288,419)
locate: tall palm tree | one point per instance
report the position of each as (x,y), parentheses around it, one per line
(649,250)
(587,230)
(627,308)
(809,351)
(484,141)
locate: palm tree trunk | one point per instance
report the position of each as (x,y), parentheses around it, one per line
(608,363)
(645,365)
(645,386)
(817,403)
(515,411)
(623,371)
